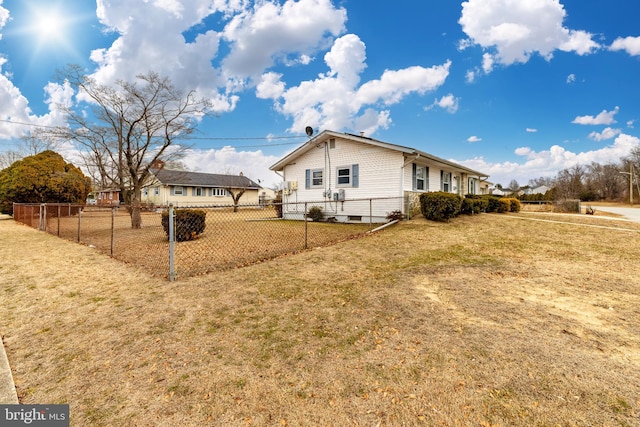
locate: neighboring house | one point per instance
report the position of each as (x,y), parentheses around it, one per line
(539,190)
(107,197)
(182,188)
(334,166)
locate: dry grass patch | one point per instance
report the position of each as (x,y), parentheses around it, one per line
(489,320)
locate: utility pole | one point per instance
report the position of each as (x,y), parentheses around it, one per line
(631,183)
(630,173)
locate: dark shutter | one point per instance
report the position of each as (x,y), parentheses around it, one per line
(426,178)
(172,190)
(441,180)
(413,178)
(307,179)
(355,175)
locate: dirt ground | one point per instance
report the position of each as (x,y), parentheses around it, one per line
(490,320)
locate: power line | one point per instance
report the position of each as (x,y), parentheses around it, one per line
(201,138)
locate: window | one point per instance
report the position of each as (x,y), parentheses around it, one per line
(198,191)
(472,189)
(145,192)
(156,191)
(344,176)
(218,192)
(110,196)
(314,178)
(420,178)
(446,182)
(347,176)
(178,191)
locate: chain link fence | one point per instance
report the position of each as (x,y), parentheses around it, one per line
(203,238)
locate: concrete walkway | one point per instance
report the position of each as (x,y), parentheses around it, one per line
(7,388)
(632,214)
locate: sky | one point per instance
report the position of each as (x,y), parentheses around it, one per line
(517,89)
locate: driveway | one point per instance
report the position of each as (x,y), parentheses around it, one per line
(632,214)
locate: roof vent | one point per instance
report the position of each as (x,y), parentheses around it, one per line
(361,133)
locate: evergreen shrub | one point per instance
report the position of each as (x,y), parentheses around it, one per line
(190,223)
(440,206)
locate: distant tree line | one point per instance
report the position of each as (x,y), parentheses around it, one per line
(590,182)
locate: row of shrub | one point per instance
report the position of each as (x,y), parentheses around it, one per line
(441,206)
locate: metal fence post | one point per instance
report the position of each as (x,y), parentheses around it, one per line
(42,222)
(172,272)
(113,228)
(58,220)
(305,225)
(79,223)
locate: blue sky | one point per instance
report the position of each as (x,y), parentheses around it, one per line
(517,89)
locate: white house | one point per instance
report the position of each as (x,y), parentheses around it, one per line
(333,169)
(183,188)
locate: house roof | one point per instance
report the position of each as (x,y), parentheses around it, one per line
(289,158)
(198,179)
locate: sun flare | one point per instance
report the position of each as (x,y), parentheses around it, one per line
(49,26)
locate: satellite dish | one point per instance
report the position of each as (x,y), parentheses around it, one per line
(309,131)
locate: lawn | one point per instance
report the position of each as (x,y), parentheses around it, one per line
(491,320)
(230,239)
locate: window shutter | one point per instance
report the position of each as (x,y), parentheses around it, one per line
(184,191)
(307,179)
(172,191)
(426,178)
(441,181)
(355,175)
(413,178)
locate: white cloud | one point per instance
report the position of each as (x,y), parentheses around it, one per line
(447,102)
(510,31)
(473,139)
(470,76)
(608,133)
(549,162)
(335,101)
(256,36)
(630,124)
(271,31)
(604,118)
(631,45)
(571,78)
(531,130)
(228,160)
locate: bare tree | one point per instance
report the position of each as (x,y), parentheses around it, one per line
(130,127)
(235,195)
(570,182)
(8,158)
(605,180)
(514,187)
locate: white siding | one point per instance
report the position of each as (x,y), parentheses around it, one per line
(250,197)
(379,171)
(380,175)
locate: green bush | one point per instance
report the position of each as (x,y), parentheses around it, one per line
(315,213)
(492,202)
(514,205)
(189,223)
(473,205)
(504,205)
(440,206)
